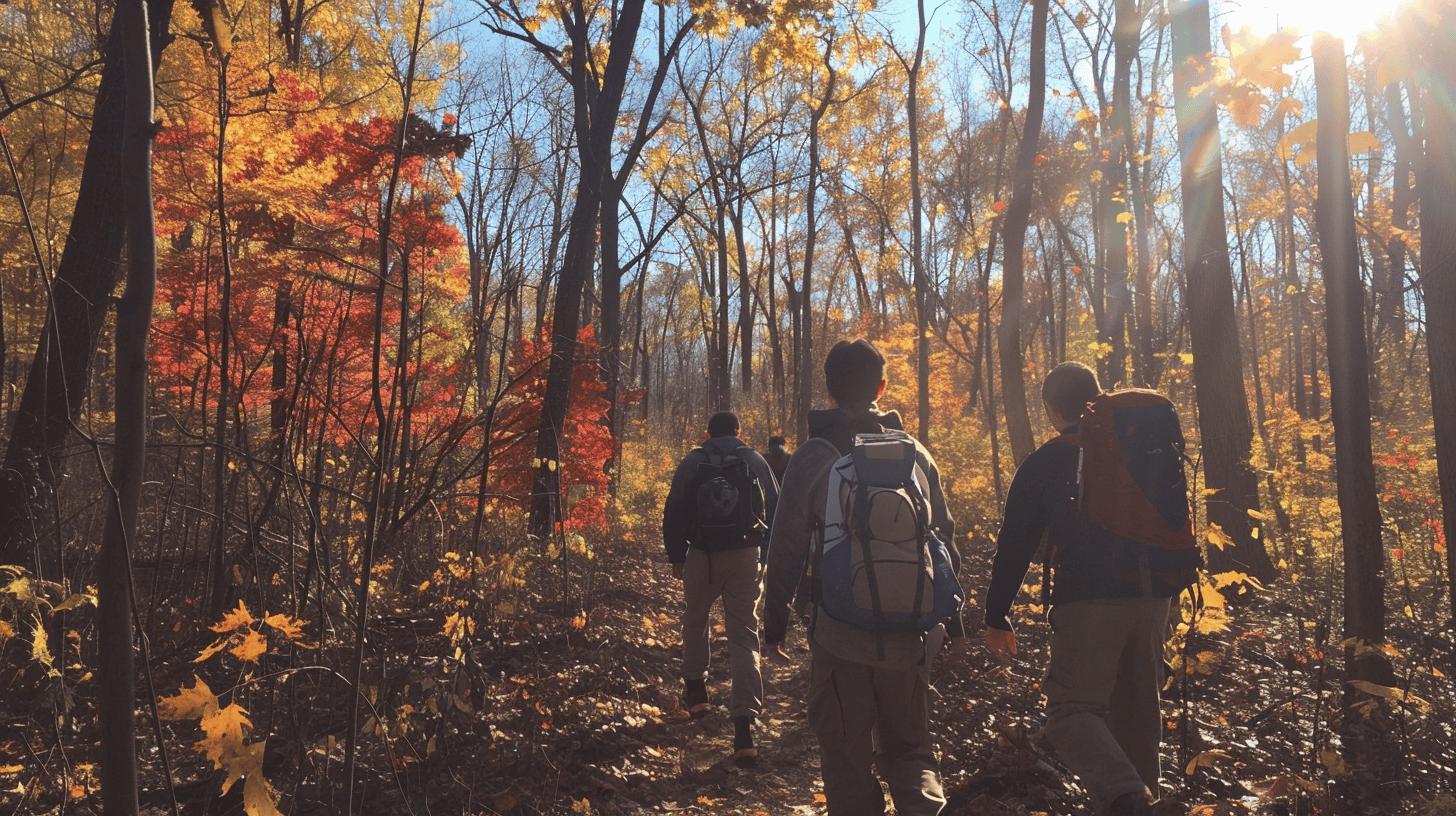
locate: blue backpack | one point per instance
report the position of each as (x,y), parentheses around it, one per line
(881,568)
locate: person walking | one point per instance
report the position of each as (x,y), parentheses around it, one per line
(1109,496)
(862,507)
(715,527)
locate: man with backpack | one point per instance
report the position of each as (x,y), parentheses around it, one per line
(1108,498)
(715,526)
(862,506)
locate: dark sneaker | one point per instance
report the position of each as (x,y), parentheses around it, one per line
(695,698)
(745,753)
(1130,804)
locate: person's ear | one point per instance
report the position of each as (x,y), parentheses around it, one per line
(880,392)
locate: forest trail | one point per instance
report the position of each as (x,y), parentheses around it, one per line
(674,764)
(633,748)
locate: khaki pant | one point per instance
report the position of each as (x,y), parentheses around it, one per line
(734,576)
(1103,715)
(866,717)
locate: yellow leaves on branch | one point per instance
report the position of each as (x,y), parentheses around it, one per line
(224,743)
(1254,69)
(1304,137)
(244,638)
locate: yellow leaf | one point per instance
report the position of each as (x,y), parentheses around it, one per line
(1207,759)
(1391,693)
(1363,142)
(1124,218)
(188,703)
(6,631)
(1079,145)
(223,732)
(234,620)
(291,628)
(212,649)
(258,797)
(77,600)
(1217,537)
(40,649)
(21,589)
(1302,136)
(252,647)
(1186,358)
(11,769)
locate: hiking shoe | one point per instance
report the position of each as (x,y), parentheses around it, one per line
(1130,804)
(695,698)
(745,754)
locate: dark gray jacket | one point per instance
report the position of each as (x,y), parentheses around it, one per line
(677,511)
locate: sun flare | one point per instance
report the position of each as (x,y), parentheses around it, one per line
(1347,19)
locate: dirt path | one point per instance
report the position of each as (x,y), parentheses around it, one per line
(685,763)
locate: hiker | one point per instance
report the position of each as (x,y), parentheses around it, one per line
(1111,499)
(777,457)
(715,526)
(862,506)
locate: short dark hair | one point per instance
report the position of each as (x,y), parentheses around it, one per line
(1069,387)
(723,423)
(853,372)
(776,441)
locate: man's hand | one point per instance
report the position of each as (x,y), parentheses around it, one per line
(775,652)
(677,571)
(1001,643)
(956,653)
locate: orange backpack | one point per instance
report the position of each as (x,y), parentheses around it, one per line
(1130,477)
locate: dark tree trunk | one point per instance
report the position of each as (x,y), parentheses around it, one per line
(917,253)
(60,372)
(116,674)
(1223,407)
(1018,214)
(1437,184)
(805,363)
(597,106)
(1373,753)
(1117,211)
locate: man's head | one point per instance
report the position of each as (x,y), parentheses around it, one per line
(1066,392)
(723,423)
(854,373)
(776,443)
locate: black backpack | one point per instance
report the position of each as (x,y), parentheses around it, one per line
(727,503)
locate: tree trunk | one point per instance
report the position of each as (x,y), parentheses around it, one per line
(1117,210)
(1223,408)
(60,372)
(596,120)
(1018,214)
(1373,753)
(116,672)
(917,253)
(805,362)
(1437,185)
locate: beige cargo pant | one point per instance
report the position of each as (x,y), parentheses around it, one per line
(734,576)
(854,709)
(1103,714)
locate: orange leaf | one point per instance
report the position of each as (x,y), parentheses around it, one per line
(234,620)
(223,730)
(252,647)
(188,703)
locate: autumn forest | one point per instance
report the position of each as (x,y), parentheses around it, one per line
(348,348)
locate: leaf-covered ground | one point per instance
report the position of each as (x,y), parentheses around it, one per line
(584,716)
(565,710)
